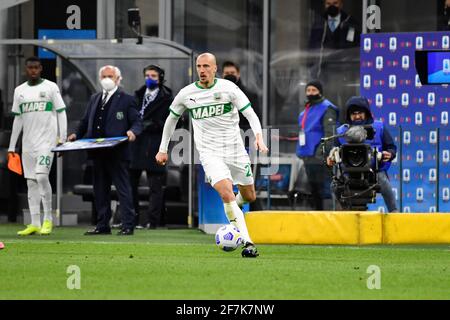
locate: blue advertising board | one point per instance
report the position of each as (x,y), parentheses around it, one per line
(62,34)
(416,115)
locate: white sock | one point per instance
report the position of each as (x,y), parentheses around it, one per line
(36,220)
(240,200)
(34,202)
(45,191)
(236,218)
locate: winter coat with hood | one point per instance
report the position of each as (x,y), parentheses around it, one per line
(382,140)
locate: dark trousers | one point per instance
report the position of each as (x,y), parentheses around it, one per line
(107,171)
(156,182)
(319,182)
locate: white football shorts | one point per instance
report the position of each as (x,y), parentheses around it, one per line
(36,162)
(239,170)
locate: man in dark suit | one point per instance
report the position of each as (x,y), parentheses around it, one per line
(153,101)
(335,29)
(111,113)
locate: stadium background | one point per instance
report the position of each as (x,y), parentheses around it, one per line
(269,39)
(416,115)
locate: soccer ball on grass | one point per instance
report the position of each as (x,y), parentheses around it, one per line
(228,238)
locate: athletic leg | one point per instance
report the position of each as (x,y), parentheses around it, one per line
(247,194)
(45,193)
(34,202)
(235,215)
(29,161)
(44,162)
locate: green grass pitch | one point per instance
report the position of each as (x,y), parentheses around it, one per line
(186,264)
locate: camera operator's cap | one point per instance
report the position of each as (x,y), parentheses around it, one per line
(315,83)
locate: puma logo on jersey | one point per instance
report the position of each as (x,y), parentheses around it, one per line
(36,106)
(193,100)
(211,111)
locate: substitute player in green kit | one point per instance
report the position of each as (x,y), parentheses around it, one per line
(214,105)
(39,111)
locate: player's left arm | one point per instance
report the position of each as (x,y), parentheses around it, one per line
(62,125)
(253,120)
(61,115)
(244,106)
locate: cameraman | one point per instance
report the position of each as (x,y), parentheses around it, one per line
(358,113)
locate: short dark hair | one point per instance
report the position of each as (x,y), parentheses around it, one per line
(33,59)
(158,69)
(227,64)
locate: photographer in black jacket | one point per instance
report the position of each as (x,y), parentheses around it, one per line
(335,29)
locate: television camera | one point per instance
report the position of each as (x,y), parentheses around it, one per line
(355,168)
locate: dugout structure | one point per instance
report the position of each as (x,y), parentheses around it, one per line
(78,62)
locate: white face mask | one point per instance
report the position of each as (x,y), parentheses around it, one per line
(107,84)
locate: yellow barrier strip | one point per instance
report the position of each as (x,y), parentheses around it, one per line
(352,228)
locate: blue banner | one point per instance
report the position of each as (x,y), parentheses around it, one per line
(88,144)
(416,115)
(62,34)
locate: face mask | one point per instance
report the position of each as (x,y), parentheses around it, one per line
(151,84)
(107,84)
(312,98)
(231,78)
(332,11)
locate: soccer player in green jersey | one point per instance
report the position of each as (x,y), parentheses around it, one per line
(39,112)
(214,105)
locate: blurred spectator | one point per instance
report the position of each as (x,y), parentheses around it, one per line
(153,100)
(444,19)
(231,71)
(335,29)
(318,120)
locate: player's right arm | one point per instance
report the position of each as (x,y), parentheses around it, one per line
(17,124)
(176,110)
